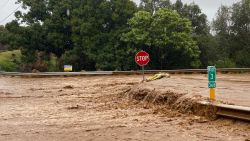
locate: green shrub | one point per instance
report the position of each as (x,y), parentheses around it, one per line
(10,60)
(225,63)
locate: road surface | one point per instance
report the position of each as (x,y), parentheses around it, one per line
(93,108)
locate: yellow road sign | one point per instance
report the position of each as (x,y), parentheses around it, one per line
(68,68)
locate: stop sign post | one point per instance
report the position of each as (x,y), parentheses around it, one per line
(142,59)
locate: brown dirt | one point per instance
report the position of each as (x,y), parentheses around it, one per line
(179,101)
(101,108)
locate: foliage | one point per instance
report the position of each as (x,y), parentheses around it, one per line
(154,5)
(166,36)
(10,60)
(233,32)
(3,35)
(52,63)
(225,63)
(97,39)
(200,32)
(84,33)
(106,34)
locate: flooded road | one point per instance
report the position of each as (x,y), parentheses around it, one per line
(94,108)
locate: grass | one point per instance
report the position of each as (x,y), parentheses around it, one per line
(8,62)
(52,64)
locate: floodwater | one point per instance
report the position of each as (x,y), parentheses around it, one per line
(93,108)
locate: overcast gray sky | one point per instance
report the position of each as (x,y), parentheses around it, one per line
(209,7)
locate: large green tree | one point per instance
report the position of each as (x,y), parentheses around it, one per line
(167,37)
(232,30)
(154,5)
(240,32)
(221,26)
(84,33)
(49,21)
(201,30)
(96,32)
(3,35)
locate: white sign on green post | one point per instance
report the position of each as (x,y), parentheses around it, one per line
(211,76)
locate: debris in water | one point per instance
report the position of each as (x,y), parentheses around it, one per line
(68,87)
(158,76)
(74,107)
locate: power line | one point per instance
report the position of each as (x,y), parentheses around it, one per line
(10,14)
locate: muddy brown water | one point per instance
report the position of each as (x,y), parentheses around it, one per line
(94,108)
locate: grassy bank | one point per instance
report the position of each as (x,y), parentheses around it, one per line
(10,60)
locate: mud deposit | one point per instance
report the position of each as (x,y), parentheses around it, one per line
(185,103)
(105,108)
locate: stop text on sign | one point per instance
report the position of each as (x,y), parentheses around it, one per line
(142,58)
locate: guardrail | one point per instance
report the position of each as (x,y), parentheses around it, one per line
(52,74)
(220,70)
(230,111)
(203,70)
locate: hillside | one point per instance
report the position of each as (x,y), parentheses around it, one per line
(9,60)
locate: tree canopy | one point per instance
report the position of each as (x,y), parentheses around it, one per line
(232,28)
(166,35)
(106,34)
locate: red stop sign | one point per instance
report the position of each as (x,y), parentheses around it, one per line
(142,58)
